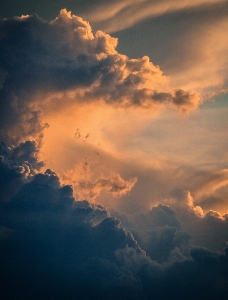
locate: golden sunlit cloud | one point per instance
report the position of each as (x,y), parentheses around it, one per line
(99,106)
(73,65)
(88,185)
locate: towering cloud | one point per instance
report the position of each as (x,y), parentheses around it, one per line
(55,243)
(63,60)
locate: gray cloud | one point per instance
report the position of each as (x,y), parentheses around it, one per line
(184,279)
(47,232)
(159,233)
(209,230)
(17,166)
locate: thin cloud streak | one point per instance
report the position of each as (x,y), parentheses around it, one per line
(133,12)
(190,46)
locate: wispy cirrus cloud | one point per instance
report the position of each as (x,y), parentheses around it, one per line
(133,12)
(189,44)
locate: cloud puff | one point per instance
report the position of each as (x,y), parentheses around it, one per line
(64,60)
(159,233)
(208,229)
(88,186)
(17,165)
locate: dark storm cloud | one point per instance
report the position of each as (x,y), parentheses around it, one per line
(202,276)
(55,247)
(209,230)
(17,165)
(158,232)
(46,235)
(187,272)
(39,59)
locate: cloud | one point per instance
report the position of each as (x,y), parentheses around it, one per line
(208,229)
(53,243)
(17,166)
(159,233)
(133,12)
(43,63)
(87,186)
(74,248)
(211,182)
(189,44)
(177,219)
(184,100)
(47,232)
(188,279)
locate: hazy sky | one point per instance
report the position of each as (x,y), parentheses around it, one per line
(113,160)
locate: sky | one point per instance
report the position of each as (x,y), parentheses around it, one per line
(113,149)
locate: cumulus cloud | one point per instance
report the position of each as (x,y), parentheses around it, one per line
(63,60)
(74,248)
(188,279)
(159,233)
(53,242)
(207,229)
(44,226)
(17,165)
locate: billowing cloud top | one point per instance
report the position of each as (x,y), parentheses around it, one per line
(64,59)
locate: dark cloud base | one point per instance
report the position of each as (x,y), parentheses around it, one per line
(53,247)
